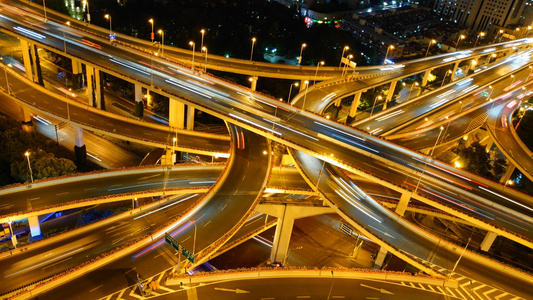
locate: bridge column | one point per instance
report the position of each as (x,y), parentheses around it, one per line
(488,241)
(353,107)
(139,107)
(94,84)
(402,204)
(176,112)
(77,74)
(455,66)
(426,77)
(390,94)
(26,117)
(79,147)
(35,227)
(380,258)
(508,172)
(190,117)
(36,64)
(13,236)
(253,80)
(25,47)
(303,85)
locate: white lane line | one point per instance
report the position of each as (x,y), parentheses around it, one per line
(207,223)
(88,189)
(96,288)
(64,193)
(35,198)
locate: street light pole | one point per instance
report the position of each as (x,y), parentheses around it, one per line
(305,95)
(29,165)
(461,37)
(151,21)
(301,51)
(411,89)
(447,72)
(202,44)
(375,100)
(64,39)
(44,9)
(346,65)
(290,90)
(430,155)
(316,72)
(205,50)
(331,288)
(342,55)
(252,51)
(86,2)
(481,34)
(108,16)
(162,33)
(387,53)
(431,42)
(192,65)
(7,82)
(457,262)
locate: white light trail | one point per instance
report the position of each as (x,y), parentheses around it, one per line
(169,205)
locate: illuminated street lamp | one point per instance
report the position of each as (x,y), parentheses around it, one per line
(530,70)
(513,79)
(29,165)
(151,21)
(202,44)
(344,71)
(252,51)
(162,33)
(431,42)
(86,3)
(387,53)
(204,49)
(305,94)
(481,34)
(461,37)
(342,55)
(290,90)
(444,77)
(5,71)
(316,72)
(192,44)
(301,51)
(375,100)
(107,16)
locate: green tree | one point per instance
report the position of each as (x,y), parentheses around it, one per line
(476,160)
(44,165)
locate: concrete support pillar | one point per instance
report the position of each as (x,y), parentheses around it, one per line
(426,77)
(455,66)
(79,147)
(488,241)
(508,172)
(169,158)
(282,236)
(94,87)
(25,47)
(190,117)
(38,76)
(176,112)
(139,107)
(77,74)
(337,108)
(253,80)
(353,107)
(25,115)
(380,258)
(302,85)
(392,87)
(35,227)
(402,204)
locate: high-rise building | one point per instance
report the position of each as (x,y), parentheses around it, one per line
(486,15)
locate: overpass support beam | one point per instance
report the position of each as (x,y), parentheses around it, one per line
(190,117)
(380,258)
(390,94)
(488,241)
(79,147)
(25,47)
(426,77)
(455,67)
(169,158)
(139,107)
(508,172)
(77,74)
(26,117)
(176,112)
(253,80)
(286,215)
(37,65)
(95,89)
(35,227)
(353,107)
(402,204)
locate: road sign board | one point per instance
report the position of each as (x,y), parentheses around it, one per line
(484,94)
(188,255)
(346,229)
(60,74)
(113,37)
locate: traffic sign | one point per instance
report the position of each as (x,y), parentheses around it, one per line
(188,255)
(60,74)
(113,37)
(484,94)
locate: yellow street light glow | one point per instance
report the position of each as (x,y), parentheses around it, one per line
(457,164)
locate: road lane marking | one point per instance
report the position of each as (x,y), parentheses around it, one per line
(64,193)
(36,198)
(303,297)
(207,223)
(96,288)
